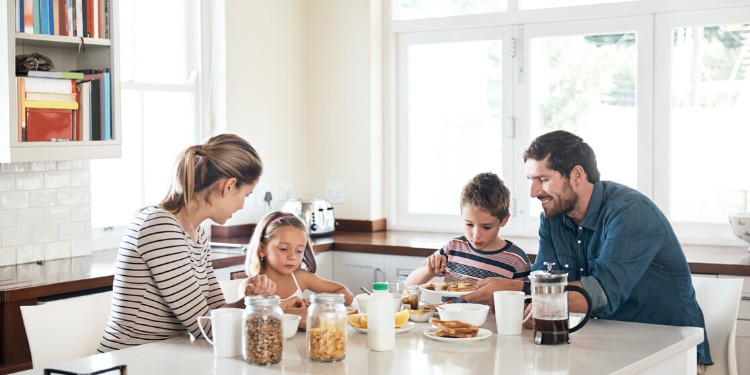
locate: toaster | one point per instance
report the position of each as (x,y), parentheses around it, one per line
(316,213)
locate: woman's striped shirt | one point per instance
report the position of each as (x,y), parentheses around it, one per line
(163,282)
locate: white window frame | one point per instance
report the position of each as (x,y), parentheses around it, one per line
(109,236)
(648,18)
(690,232)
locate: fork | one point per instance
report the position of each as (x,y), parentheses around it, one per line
(459,275)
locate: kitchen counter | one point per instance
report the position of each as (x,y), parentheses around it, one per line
(27,284)
(600,347)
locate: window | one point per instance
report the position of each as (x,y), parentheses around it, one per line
(455,88)
(160,105)
(660,94)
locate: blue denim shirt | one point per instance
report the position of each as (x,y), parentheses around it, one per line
(627,256)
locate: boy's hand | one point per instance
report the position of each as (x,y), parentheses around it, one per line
(435,264)
(259,285)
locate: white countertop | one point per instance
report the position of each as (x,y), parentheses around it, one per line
(601,347)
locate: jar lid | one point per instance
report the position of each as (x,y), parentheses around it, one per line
(326,297)
(262,300)
(379,286)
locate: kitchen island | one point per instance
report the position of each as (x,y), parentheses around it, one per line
(600,347)
(27,284)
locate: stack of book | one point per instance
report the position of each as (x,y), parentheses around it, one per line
(86,18)
(64,106)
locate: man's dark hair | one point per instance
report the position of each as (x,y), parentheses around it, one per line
(565,151)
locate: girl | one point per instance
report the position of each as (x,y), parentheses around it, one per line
(280,249)
(164,279)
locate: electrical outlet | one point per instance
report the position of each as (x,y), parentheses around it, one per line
(260,194)
(286,191)
(334,192)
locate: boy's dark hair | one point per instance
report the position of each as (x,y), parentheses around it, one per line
(565,151)
(488,192)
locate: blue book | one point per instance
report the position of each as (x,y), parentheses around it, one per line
(51,17)
(19,16)
(107,109)
(37,16)
(45,16)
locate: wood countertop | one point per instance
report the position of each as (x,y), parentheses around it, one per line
(42,279)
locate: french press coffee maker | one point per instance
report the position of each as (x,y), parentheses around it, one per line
(549,296)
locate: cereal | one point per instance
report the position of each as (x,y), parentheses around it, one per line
(327,344)
(262,340)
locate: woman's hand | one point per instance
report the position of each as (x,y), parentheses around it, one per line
(435,264)
(259,285)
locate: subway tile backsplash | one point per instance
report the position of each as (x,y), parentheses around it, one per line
(45,211)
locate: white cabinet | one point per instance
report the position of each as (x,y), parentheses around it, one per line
(324,263)
(362,269)
(64,51)
(742,337)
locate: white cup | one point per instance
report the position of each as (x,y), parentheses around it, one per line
(226,326)
(509,312)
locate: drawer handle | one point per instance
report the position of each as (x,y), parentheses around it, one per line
(746,298)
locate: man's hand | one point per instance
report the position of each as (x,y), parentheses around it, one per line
(259,285)
(486,287)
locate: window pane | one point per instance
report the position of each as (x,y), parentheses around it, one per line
(454,120)
(417,9)
(710,100)
(166,132)
(542,4)
(144,28)
(586,85)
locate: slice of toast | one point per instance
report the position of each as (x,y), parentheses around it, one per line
(442,333)
(449,323)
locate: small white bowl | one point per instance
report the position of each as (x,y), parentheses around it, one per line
(472,313)
(362,299)
(421,318)
(290,324)
(740,222)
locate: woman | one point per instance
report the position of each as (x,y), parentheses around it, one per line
(164,279)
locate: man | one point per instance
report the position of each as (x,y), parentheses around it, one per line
(611,239)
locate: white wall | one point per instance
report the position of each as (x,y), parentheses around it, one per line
(303,85)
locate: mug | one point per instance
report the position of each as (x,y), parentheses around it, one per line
(226,325)
(509,307)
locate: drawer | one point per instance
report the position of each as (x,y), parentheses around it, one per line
(744,312)
(743,328)
(745,285)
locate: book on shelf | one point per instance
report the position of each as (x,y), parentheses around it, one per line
(37,12)
(47,124)
(28,16)
(20,94)
(44,96)
(84,111)
(51,74)
(101,96)
(86,18)
(49,85)
(49,104)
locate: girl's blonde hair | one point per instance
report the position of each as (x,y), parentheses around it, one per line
(199,167)
(265,231)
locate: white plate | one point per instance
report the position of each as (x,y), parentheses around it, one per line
(483,334)
(404,328)
(442,293)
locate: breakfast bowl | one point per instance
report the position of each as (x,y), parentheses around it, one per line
(740,222)
(472,313)
(363,298)
(420,316)
(290,324)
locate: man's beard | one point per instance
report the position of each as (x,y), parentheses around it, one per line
(566,203)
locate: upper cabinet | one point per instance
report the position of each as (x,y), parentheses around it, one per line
(97,53)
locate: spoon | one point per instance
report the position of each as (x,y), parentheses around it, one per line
(365,290)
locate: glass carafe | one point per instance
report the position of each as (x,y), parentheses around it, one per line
(549,296)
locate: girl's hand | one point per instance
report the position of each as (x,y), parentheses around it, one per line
(435,264)
(259,285)
(294,302)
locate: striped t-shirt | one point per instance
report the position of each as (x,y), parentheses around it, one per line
(163,283)
(510,262)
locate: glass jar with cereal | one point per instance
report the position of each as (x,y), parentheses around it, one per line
(326,327)
(262,336)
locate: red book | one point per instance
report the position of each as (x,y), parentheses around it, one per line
(90,18)
(44,124)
